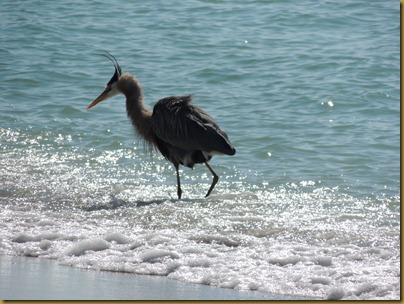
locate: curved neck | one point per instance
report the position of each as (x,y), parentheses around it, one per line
(140,116)
(135,107)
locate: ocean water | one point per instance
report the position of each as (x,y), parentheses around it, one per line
(308,93)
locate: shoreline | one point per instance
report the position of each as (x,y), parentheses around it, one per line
(30,278)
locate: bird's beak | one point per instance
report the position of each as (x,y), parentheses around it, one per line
(103,96)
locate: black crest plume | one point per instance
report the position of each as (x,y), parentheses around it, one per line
(118,71)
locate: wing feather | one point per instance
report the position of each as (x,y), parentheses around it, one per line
(180,124)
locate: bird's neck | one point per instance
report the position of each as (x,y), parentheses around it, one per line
(140,116)
(135,107)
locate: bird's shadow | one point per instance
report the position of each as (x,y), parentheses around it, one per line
(115,203)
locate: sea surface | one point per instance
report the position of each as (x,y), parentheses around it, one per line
(308,93)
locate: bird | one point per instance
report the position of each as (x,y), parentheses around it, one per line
(182,132)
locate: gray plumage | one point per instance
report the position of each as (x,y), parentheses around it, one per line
(183,133)
(179,123)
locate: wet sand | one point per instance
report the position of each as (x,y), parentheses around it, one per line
(25,278)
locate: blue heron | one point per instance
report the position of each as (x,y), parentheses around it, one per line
(183,133)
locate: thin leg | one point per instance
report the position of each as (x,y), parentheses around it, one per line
(215,179)
(179,192)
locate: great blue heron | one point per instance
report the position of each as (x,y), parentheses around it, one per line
(185,134)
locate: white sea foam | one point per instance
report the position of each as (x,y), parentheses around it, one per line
(153,255)
(118,238)
(335,293)
(321,280)
(81,247)
(274,243)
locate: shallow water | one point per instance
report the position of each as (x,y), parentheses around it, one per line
(309,96)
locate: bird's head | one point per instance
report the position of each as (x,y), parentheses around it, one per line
(111,87)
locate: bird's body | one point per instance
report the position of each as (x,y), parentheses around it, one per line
(183,133)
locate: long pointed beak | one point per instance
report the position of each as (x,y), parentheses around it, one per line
(103,96)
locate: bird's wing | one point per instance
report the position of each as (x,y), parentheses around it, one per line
(180,124)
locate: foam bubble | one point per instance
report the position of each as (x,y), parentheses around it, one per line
(364,288)
(335,293)
(291,260)
(23,238)
(118,238)
(321,280)
(154,254)
(45,245)
(81,247)
(323,261)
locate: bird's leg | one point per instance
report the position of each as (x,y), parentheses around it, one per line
(215,179)
(179,192)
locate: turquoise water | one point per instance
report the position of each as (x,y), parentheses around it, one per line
(307,91)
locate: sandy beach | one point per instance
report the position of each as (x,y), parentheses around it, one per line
(24,278)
